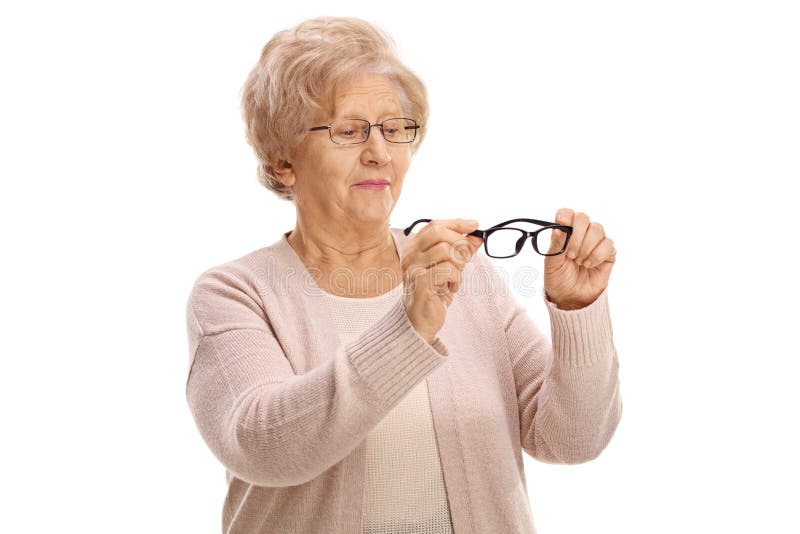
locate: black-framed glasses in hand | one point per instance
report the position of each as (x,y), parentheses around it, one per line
(502,241)
(355,131)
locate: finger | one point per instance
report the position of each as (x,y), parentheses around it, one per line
(456,278)
(601,253)
(450,232)
(563,216)
(580,224)
(594,235)
(475,242)
(436,274)
(458,253)
(450,229)
(443,278)
(557,239)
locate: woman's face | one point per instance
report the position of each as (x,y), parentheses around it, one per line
(324,174)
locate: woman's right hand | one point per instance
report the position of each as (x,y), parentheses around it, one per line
(433,261)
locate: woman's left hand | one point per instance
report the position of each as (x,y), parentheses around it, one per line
(576,278)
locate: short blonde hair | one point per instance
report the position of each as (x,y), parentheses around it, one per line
(297,76)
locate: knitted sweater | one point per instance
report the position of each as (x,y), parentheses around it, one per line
(288,409)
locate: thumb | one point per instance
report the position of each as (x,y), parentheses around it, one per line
(557,240)
(474,242)
(564,216)
(559,237)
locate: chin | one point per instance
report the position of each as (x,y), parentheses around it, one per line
(373,214)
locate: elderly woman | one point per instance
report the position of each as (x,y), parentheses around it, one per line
(353,377)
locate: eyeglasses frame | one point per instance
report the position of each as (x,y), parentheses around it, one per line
(483,234)
(416,127)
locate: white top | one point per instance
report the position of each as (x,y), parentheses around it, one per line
(404,486)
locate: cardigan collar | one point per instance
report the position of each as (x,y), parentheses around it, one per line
(319,330)
(291,286)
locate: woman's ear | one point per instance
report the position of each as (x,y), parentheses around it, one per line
(284,172)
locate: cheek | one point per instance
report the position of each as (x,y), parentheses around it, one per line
(321,162)
(401,163)
(326,168)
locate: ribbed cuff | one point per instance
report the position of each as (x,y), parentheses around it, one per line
(392,357)
(581,337)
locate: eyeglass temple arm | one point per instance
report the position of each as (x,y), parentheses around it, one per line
(406,231)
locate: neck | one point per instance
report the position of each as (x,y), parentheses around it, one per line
(355,246)
(348,262)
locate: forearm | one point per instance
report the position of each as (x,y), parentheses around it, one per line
(580,412)
(274,430)
(570,406)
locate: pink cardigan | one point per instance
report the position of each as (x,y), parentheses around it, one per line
(286,408)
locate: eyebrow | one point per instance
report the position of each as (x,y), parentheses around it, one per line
(388,114)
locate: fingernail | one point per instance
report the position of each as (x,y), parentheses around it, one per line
(473,222)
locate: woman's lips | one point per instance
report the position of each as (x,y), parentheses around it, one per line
(373,184)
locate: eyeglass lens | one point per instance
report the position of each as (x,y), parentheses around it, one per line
(348,131)
(507,242)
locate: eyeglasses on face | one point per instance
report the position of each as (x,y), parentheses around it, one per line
(502,241)
(354,131)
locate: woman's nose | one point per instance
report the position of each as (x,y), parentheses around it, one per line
(376,150)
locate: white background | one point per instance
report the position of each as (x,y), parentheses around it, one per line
(125,174)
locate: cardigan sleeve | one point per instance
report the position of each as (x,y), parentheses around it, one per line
(567,390)
(270,426)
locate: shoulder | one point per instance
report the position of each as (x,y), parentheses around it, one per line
(230,294)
